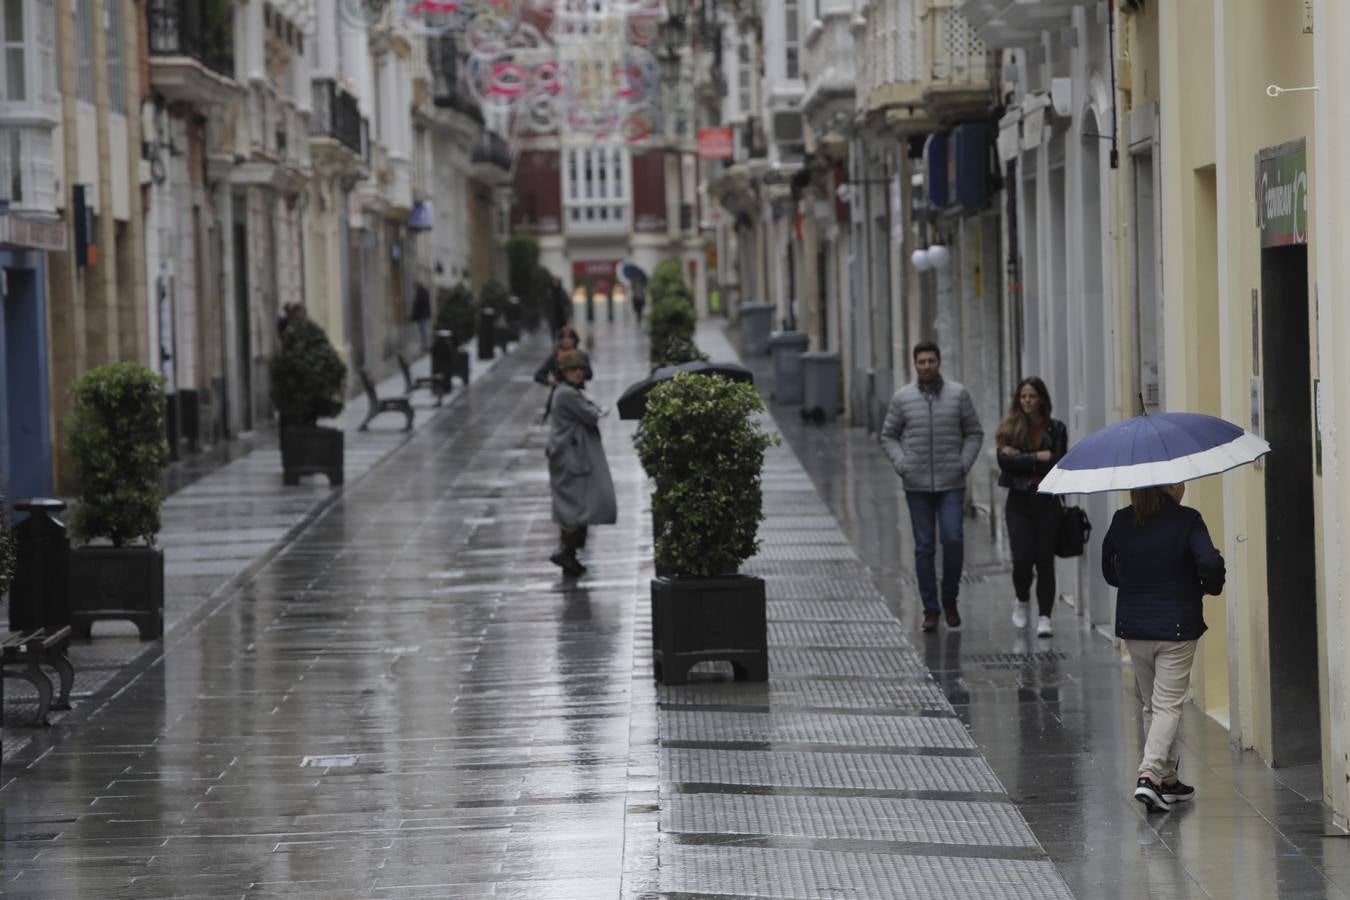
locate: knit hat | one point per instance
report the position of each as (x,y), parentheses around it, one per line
(572,359)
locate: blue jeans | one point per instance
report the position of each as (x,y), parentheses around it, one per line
(947,508)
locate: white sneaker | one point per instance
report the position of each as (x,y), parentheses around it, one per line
(1020,614)
(1043,628)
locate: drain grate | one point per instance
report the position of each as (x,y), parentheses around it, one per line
(1015,660)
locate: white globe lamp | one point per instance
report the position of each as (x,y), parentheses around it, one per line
(939,257)
(920,260)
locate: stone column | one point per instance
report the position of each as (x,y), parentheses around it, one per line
(103,320)
(133,297)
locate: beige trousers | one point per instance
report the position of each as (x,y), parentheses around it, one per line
(1163,672)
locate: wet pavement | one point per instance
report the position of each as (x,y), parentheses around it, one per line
(387,691)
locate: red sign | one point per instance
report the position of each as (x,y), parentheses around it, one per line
(716,143)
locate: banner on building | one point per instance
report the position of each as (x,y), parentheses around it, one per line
(1282,194)
(716,143)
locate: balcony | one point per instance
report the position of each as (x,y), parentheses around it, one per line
(491,160)
(960,83)
(448,90)
(337,133)
(28,171)
(278,135)
(192,50)
(1017,23)
(830,97)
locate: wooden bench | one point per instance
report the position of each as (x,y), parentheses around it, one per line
(383,404)
(24,653)
(438,385)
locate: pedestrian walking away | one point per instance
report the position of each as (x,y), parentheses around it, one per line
(932,437)
(559,305)
(1160,556)
(583,492)
(1030,442)
(421,314)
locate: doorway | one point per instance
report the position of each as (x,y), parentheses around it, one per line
(1291,556)
(243,328)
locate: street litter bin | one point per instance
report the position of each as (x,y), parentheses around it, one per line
(756,323)
(487,332)
(448,360)
(820,386)
(39,595)
(786,348)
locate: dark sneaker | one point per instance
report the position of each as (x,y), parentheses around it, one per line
(568,563)
(953,617)
(1151,795)
(1177,792)
(930,620)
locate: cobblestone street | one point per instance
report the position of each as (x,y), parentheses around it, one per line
(388,691)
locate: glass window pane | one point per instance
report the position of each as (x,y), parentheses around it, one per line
(14,21)
(14,74)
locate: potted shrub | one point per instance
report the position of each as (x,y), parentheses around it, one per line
(307,380)
(680,350)
(672,319)
(457,312)
(118,452)
(668,276)
(700,443)
(497,298)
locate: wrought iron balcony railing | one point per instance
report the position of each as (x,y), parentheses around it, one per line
(200,29)
(336,114)
(448,89)
(493,150)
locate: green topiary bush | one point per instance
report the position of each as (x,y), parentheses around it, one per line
(457,311)
(118,449)
(680,350)
(307,376)
(522,261)
(699,442)
(672,319)
(7,548)
(666,278)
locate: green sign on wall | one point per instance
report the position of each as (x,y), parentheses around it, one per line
(1282,194)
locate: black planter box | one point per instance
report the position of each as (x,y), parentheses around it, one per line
(117,583)
(700,619)
(311,451)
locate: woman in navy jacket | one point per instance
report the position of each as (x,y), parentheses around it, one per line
(1159,554)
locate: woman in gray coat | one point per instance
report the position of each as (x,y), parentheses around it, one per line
(583,492)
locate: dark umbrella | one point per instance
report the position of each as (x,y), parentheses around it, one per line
(633,403)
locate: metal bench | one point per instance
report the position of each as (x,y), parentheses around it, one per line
(437,384)
(383,404)
(22,656)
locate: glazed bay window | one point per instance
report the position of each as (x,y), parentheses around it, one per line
(792,43)
(28,106)
(596,195)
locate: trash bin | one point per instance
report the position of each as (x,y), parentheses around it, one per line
(820,386)
(786,348)
(39,596)
(756,323)
(487,332)
(447,361)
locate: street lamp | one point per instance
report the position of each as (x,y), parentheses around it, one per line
(674,35)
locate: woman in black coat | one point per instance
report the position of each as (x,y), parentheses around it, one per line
(1030,442)
(1160,556)
(549,374)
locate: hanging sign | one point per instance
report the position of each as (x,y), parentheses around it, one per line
(1282,194)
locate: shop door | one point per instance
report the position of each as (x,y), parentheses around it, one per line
(1290,540)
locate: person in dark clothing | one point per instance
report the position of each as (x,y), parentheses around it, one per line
(560,305)
(1160,556)
(421,313)
(1030,442)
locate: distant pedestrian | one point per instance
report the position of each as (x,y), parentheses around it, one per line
(421,313)
(559,305)
(1030,442)
(1160,556)
(932,436)
(583,492)
(639,298)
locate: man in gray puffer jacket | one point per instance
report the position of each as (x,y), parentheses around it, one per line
(932,436)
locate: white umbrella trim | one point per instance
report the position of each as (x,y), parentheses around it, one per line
(1240,451)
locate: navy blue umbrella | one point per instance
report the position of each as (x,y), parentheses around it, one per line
(633,403)
(1145,451)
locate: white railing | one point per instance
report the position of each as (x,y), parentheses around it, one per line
(956,55)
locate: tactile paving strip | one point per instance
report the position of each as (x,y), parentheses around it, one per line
(803,523)
(798,587)
(837,634)
(848,875)
(854,663)
(829,611)
(813,728)
(838,771)
(848,818)
(879,695)
(774,537)
(805,553)
(770,568)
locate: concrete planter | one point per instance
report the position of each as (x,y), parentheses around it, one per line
(311,451)
(117,583)
(699,619)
